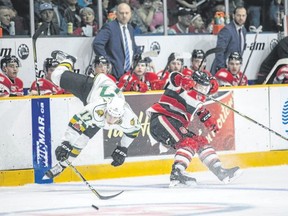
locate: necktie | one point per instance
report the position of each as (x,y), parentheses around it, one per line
(127,55)
(240,39)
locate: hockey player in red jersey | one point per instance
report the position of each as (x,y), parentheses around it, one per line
(281,75)
(44,85)
(102,65)
(183,99)
(10,84)
(141,80)
(196,60)
(232,75)
(174,63)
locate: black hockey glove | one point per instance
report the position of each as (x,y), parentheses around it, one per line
(63,152)
(119,155)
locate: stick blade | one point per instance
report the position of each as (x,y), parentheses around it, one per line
(40,30)
(102,197)
(151,53)
(214,50)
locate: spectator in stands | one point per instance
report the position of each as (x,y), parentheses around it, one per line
(198,25)
(70,11)
(89,27)
(116,42)
(184,22)
(158,18)
(187,4)
(45,86)
(147,11)
(58,17)
(232,76)
(5,19)
(47,15)
(94,6)
(254,9)
(84,3)
(10,84)
(231,38)
(276,13)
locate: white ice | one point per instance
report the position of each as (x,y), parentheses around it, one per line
(258,191)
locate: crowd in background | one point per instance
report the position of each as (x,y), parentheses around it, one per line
(81,17)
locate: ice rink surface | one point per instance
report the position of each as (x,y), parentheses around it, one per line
(258,191)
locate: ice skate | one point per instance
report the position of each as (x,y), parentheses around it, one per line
(60,56)
(228,175)
(180,178)
(54,171)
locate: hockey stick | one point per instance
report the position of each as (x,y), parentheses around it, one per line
(259,29)
(34,39)
(283,61)
(245,116)
(90,186)
(209,52)
(60,56)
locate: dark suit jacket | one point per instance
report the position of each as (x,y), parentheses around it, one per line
(227,39)
(109,43)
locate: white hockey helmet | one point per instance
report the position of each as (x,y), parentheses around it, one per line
(115,107)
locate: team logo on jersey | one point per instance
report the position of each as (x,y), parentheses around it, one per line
(76,126)
(183,130)
(23,51)
(100,112)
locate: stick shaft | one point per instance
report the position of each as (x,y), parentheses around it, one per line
(248,118)
(34,39)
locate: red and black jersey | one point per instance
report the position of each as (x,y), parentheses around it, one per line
(10,87)
(47,87)
(178,103)
(148,78)
(226,78)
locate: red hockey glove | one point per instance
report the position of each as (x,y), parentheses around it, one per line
(208,120)
(214,85)
(185,82)
(140,86)
(157,84)
(282,73)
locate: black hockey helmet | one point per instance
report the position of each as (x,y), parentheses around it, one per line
(100,59)
(235,56)
(175,56)
(198,53)
(48,63)
(9,59)
(201,78)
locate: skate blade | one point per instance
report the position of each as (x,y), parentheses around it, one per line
(236,175)
(178,184)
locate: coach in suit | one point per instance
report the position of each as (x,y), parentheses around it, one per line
(232,38)
(115,41)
